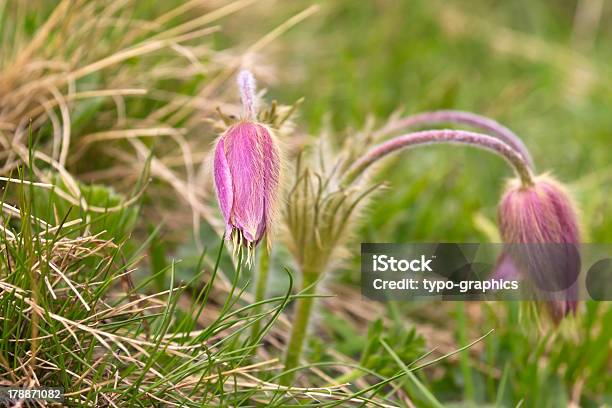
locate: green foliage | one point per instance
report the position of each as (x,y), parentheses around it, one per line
(113,225)
(72,317)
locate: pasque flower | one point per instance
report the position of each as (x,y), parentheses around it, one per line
(247,171)
(538,221)
(538,224)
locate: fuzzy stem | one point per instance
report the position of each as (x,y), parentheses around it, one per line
(260,288)
(426,137)
(300,326)
(460,117)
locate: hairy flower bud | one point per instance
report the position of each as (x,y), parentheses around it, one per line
(539,227)
(247,171)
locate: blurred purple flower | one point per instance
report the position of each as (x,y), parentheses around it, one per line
(538,224)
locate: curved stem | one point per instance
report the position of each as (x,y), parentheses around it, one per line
(467,118)
(425,137)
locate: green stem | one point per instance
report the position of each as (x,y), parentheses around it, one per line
(349,377)
(464,359)
(300,326)
(260,289)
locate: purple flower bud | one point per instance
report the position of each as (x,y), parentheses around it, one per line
(247,173)
(247,169)
(538,224)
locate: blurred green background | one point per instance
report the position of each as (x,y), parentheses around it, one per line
(543,69)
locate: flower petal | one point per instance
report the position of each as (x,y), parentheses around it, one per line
(245,159)
(506,269)
(223,183)
(272,169)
